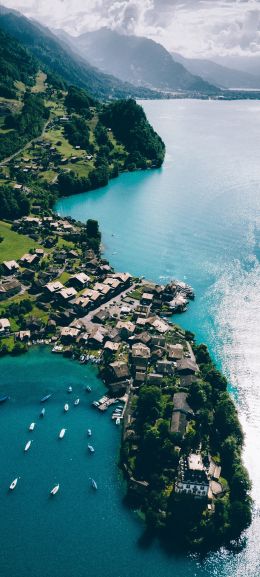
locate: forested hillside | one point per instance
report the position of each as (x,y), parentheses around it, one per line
(61,63)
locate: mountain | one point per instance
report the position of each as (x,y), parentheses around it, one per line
(58,59)
(249,64)
(218,74)
(138,60)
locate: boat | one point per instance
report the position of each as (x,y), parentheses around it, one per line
(3,398)
(32,426)
(95,404)
(42,413)
(93,483)
(91,449)
(27,446)
(62,433)
(46,398)
(88,389)
(76,402)
(13,484)
(66,407)
(89,432)
(55,490)
(69,389)
(117,421)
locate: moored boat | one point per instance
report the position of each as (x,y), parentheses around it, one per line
(117,421)
(70,389)
(13,484)
(93,483)
(89,432)
(3,398)
(55,490)
(27,446)
(46,398)
(76,402)
(91,449)
(62,433)
(88,389)
(66,407)
(42,413)
(32,426)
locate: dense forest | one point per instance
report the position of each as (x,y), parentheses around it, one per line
(16,64)
(13,203)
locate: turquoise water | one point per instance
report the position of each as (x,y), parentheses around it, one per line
(196,219)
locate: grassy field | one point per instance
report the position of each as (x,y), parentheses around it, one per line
(14,245)
(65,147)
(39,84)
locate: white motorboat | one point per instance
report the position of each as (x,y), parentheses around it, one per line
(91,449)
(62,433)
(27,446)
(66,407)
(32,426)
(89,432)
(93,483)
(76,402)
(13,484)
(117,421)
(70,389)
(55,490)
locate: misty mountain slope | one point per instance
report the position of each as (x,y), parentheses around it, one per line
(222,76)
(58,59)
(138,60)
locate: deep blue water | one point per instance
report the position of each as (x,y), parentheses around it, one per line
(197,219)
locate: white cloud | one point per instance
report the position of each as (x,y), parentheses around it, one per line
(193,27)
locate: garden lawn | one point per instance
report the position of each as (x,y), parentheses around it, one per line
(14,245)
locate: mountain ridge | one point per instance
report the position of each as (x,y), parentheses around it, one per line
(136,59)
(222,76)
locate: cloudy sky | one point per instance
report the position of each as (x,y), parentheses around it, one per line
(191,27)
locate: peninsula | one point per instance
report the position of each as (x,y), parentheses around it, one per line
(181,437)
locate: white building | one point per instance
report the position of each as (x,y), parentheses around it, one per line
(192,477)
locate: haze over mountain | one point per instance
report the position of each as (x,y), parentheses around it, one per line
(136,59)
(58,58)
(219,74)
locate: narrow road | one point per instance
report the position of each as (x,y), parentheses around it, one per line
(26,146)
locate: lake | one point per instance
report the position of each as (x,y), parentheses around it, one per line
(197,219)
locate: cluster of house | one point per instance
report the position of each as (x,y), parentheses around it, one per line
(83,299)
(46,156)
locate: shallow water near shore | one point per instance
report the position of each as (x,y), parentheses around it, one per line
(197,219)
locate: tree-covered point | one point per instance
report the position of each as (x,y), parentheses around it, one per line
(130,126)
(151,454)
(16,64)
